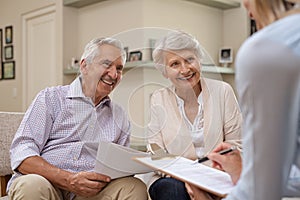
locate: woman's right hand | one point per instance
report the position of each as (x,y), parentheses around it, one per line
(230,162)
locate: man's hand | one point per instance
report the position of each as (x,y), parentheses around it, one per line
(230,162)
(87,184)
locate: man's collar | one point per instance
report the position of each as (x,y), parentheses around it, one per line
(76,89)
(76,92)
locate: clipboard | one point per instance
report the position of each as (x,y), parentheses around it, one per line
(208,179)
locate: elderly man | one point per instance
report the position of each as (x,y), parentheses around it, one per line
(48,152)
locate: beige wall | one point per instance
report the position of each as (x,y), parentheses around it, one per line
(205,23)
(11,11)
(213,27)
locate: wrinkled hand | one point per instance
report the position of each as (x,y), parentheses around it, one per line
(230,162)
(196,193)
(162,174)
(87,184)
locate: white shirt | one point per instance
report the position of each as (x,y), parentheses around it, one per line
(268,84)
(195,128)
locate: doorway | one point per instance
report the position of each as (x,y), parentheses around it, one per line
(39,56)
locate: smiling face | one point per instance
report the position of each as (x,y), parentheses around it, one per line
(103,74)
(182,69)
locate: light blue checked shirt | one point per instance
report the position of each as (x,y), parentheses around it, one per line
(60,121)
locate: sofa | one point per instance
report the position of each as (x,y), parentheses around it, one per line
(9,123)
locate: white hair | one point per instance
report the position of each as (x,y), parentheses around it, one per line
(91,50)
(175,41)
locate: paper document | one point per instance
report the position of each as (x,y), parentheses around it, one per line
(117,161)
(209,179)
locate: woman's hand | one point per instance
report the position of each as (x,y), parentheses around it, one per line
(230,162)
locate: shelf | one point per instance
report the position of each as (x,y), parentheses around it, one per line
(80,3)
(131,65)
(206,69)
(71,71)
(139,64)
(221,4)
(219,70)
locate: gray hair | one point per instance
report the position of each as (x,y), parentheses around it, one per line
(175,41)
(91,50)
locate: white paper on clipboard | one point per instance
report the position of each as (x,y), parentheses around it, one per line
(209,179)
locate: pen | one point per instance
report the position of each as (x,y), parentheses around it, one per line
(205,158)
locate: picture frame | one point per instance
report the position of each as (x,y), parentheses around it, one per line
(1,45)
(8,34)
(225,56)
(252,27)
(1,72)
(135,56)
(126,49)
(8,52)
(8,70)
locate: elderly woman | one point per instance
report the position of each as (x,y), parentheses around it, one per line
(194,115)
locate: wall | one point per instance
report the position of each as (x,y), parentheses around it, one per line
(11,13)
(116,16)
(213,27)
(204,22)
(236,28)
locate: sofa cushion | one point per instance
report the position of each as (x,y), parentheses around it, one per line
(9,123)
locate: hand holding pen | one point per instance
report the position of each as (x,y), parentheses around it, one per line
(228,162)
(222,152)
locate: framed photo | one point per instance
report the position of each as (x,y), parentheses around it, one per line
(252,26)
(9,34)
(1,46)
(126,49)
(8,70)
(8,52)
(1,72)
(225,55)
(135,56)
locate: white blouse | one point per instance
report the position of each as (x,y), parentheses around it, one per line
(195,127)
